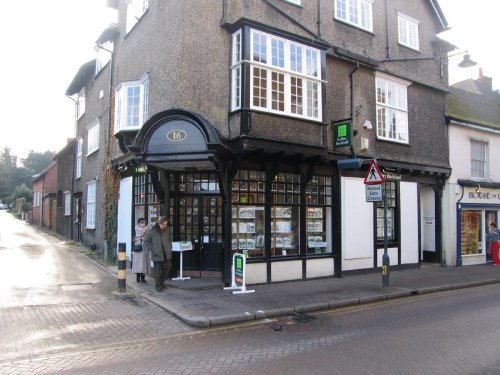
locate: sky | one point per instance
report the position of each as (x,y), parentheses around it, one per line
(44,43)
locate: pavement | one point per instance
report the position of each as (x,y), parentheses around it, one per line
(204,302)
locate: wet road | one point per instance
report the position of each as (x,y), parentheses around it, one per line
(36,269)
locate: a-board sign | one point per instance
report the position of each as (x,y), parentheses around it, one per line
(238,275)
(239,269)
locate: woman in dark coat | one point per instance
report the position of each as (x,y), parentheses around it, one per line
(157,242)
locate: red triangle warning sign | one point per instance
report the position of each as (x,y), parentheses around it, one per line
(373,176)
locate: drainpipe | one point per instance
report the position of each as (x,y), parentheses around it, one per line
(71,215)
(319,18)
(387,50)
(351,77)
(459,229)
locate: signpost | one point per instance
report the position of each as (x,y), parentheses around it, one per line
(181,247)
(238,275)
(374,193)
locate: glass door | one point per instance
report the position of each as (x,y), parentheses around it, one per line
(199,221)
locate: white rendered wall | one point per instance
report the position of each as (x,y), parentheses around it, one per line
(319,267)
(256,273)
(460,161)
(357,225)
(283,271)
(428,219)
(125,215)
(409,222)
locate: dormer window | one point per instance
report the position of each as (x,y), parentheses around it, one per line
(131,104)
(103,55)
(80,103)
(355,12)
(135,11)
(408,31)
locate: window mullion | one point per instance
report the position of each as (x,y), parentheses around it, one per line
(288,95)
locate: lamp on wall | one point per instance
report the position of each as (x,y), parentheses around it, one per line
(465,63)
(478,189)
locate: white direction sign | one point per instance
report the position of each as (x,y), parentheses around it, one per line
(373,176)
(373,193)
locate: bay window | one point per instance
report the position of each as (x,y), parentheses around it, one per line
(285,76)
(131,104)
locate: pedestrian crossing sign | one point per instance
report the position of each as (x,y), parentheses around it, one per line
(373,175)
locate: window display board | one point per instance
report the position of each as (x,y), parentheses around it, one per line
(283,240)
(247,228)
(316,241)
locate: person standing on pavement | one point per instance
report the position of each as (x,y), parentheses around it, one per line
(157,242)
(493,238)
(140,260)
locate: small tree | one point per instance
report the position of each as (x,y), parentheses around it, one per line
(22,191)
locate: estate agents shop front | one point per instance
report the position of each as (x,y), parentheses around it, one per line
(477,206)
(228,197)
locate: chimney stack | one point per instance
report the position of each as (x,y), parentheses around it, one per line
(484,82)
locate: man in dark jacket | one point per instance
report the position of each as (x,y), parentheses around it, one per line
(157,242)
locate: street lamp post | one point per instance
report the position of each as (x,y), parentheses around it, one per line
(385,258)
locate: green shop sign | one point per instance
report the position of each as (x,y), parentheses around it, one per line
(343,133)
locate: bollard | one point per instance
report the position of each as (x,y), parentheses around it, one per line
(122,264)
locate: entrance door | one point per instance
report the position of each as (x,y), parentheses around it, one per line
(199,221)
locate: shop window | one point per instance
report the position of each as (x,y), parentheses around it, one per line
(470,222)
(285,222)
(194,183)
(392,209)
(146,203)
(318,195)
(247,213)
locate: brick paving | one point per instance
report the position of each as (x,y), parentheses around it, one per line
(31,330)
(212,307)
(452,333)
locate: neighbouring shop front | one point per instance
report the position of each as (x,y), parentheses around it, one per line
(477,206)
